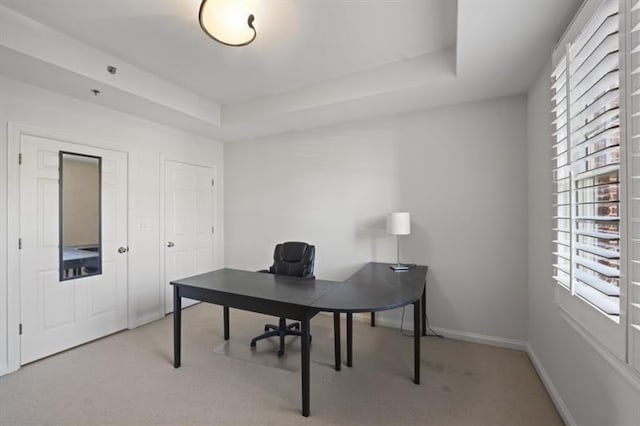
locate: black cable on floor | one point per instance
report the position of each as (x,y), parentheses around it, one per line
(430,331)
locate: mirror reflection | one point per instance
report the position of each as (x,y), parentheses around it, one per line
(80,234)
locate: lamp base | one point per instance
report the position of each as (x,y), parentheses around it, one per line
(399,267)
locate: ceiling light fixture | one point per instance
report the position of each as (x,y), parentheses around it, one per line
(227,22)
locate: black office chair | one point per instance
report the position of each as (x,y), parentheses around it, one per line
(293,259)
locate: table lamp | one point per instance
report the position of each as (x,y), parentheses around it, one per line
(399,223)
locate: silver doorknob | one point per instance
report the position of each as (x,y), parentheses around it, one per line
(170,244)
(123,250)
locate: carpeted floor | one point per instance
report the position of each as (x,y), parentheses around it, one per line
(129,379)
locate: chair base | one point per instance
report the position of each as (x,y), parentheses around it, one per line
(281,330)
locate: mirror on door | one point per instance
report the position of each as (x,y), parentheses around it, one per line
(80,216)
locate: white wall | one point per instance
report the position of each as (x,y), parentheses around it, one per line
(459,170)
(146,142)
(589,389)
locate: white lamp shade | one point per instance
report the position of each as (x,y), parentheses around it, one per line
(399,223)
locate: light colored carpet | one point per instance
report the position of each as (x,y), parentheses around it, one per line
(129,379)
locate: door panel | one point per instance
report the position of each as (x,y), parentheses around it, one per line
(189,218)
(58,302)
(57,315)
(104,296)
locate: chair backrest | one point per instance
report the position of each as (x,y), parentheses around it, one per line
(294,259)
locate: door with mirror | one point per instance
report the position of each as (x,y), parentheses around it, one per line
(80,215)
(73,259)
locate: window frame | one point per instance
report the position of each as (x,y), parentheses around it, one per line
(608,331)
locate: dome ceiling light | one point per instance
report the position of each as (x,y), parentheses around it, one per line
(227,21)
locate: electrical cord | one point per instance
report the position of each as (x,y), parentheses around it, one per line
(430,331)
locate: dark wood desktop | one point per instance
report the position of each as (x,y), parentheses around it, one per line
(373,288)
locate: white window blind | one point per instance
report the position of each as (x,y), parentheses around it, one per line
(561,176)
(586,168)
(633,102)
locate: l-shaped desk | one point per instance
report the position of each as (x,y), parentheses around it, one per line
(375,287)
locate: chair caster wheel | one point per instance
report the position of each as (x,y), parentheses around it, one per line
(253,345)
(280,353)
(266,328)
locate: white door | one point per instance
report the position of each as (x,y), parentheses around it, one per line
(189,219)
(55,314)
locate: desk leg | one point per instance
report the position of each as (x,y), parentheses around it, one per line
(416,341)
(349,339)
(424,309)
(177,325)
(336,340)
(373,319)
(225,314)
(306,367)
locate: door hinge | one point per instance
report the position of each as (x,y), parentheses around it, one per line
(213,229)
(20,329)
(19,243)
(213,182)
(20,158)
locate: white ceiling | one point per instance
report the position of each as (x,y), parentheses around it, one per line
(299,42)
(313,63)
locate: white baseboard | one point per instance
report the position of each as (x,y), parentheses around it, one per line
(145,320)
(502,342)
(553,392)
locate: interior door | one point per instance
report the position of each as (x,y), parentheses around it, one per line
(58,314)
(189,219)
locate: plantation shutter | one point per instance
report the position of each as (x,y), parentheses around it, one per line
(587,152)
(633,102)
(561,177)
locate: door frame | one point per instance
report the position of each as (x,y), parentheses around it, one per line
(162,293)
(14,135)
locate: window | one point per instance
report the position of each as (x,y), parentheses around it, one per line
(587,172)
(590,205)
